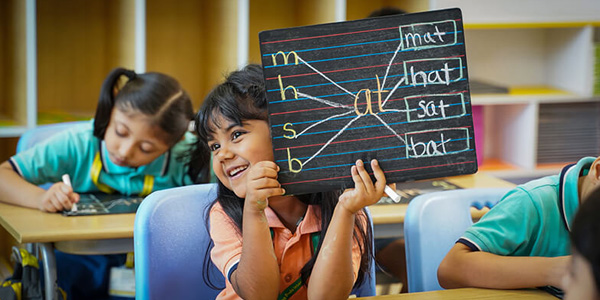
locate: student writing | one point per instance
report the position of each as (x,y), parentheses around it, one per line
(136,143)
(523,241)
(583,280)
(268,244)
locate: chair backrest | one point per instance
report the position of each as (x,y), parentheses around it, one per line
(433,223)
(170,243)
(42,132)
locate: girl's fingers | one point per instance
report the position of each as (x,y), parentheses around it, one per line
(358,184)
(263,172)
(379,175)
(64,200)
(364,175)
(265,183)
(55,202)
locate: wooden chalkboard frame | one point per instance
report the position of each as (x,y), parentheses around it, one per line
(393,88)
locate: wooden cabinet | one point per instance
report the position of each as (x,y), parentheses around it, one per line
(543,52)
(56,53)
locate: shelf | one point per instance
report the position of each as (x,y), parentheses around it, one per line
(494,164)
(12,131)
(502,169)
(528,94)
(56,116)
(530,25)
(506,12)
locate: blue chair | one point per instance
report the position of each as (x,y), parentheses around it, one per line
(42,132)
(171,241)
(433,223)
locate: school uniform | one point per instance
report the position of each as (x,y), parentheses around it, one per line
(84,157)
(292,250)
(533,219)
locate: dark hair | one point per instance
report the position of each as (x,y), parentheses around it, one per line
(157,96)
(585,232)
(243,97)
(386,11)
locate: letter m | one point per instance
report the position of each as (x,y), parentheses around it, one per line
(286,57)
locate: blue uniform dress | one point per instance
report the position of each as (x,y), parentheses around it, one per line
(81,155)
(533,219)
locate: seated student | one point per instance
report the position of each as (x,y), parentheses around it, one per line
(267,244)
(583,280)
(137,143)
(523,241)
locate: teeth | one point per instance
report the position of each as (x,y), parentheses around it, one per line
(237,170)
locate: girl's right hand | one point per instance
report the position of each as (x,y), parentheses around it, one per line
(261,184)
(58,197)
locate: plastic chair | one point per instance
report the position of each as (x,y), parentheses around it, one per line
(42,132)
(170,243)
(432,225)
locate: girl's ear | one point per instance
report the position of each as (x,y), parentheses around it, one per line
(595,170)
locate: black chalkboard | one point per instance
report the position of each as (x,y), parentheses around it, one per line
(105,204)
(392,88)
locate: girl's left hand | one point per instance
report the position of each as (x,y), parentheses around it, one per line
(364,192)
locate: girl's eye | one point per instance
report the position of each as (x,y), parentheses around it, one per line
(214,147)
(236,134)
(120,133)
(146,150)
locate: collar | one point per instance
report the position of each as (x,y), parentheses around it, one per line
(568,190)
(310,223)
(158,167)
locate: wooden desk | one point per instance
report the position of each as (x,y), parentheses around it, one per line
(388,218)
(107,234)
(103,234)
(469,294)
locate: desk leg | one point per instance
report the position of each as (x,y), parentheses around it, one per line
(49,261)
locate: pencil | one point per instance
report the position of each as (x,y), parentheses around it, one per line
(392,194)
(67,180)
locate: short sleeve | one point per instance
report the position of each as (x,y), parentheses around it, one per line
(507,228)
(227,248)
(49,159)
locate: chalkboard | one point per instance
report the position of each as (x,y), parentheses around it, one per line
(393,88)
(104,204)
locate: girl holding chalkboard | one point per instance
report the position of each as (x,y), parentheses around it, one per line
(268,244)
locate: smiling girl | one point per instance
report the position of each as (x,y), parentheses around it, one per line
(267,244)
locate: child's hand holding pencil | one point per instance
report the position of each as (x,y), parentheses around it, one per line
(59,197)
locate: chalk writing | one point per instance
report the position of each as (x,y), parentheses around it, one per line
(393,88)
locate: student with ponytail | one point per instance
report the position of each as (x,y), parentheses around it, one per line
(138,142)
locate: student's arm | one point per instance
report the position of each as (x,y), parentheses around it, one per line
(463,267)
(257,274)
(15,190)
(334,261)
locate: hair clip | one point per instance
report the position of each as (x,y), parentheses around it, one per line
(192,126)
